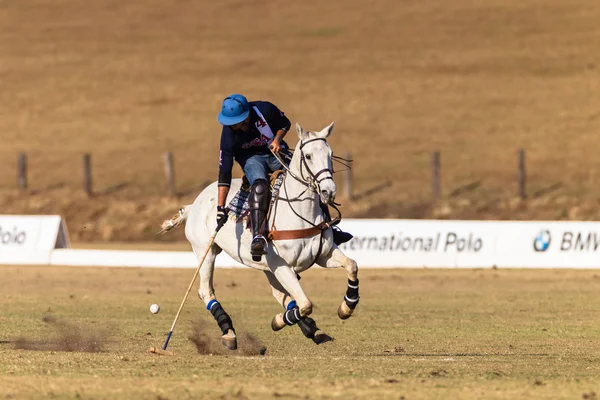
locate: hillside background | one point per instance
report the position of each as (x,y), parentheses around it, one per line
(128,81)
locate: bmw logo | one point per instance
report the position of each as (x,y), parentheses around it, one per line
(542,241)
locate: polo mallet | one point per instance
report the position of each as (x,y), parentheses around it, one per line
(164,350)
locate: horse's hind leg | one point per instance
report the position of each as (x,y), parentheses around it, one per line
(285,300)
(207,295)
(337,259)
(307,325)
(289,281)
(280,294)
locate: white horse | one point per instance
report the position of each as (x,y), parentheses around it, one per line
(300,238)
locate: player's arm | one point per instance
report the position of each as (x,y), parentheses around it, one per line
(279,123)
(223,192)
(225,168)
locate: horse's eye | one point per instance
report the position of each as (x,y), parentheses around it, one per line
(307,157)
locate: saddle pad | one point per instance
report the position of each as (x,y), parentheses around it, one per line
(238,206)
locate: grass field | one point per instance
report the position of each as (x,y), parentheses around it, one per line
(475,80)
(418,334)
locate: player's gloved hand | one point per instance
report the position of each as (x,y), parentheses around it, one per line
(275,145)
(222,214)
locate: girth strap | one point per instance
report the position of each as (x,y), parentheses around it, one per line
(275,234)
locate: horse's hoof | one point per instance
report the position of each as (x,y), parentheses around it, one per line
(344,312)
(277,323)
(321,337)
(229,340)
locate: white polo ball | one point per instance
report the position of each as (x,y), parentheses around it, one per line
(154,308)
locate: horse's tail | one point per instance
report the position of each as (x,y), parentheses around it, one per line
(175,220)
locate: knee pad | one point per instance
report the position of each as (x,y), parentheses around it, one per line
(259,195)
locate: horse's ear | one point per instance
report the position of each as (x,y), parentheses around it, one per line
(327,131)
(301,132)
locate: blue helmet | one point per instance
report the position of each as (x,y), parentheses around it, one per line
(235,109)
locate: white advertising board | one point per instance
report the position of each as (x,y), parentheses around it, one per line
(377,243)
(29,239)
(420,243)
(447,243)
(557,244)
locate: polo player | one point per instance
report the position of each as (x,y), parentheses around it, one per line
(251,132)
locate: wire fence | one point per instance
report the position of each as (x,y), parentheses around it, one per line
(162,176)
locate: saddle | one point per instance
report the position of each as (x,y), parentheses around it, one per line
(239,210)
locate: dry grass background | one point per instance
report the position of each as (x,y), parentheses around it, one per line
(128,81)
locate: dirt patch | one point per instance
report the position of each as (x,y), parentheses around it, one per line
(438,372)
(67,337)
(207,341)
(250,345)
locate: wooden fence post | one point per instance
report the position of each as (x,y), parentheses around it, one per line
(87,173)
(22,171)
(522,175)
(170,174)
(435,161)
(348,177)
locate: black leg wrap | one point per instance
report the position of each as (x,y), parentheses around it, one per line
(308,326)
(292,316)
(222,318)
(352,296)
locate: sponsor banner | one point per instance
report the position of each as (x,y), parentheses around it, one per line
(32,232)
(420,243)
(560,244)
(377,243)
(29,239)
(433,243)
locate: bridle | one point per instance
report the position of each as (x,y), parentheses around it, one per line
(313,180)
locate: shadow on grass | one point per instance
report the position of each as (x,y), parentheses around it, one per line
(469,187)
(549,189)
(116,188)
(461,355)
(371,191)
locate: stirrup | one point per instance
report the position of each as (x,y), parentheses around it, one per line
(258,253)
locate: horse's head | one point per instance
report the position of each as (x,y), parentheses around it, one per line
(315,166)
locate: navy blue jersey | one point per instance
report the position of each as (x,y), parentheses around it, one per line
(239,145)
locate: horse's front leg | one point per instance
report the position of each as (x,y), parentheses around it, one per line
(307,325)
(207,295)
(335,259)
